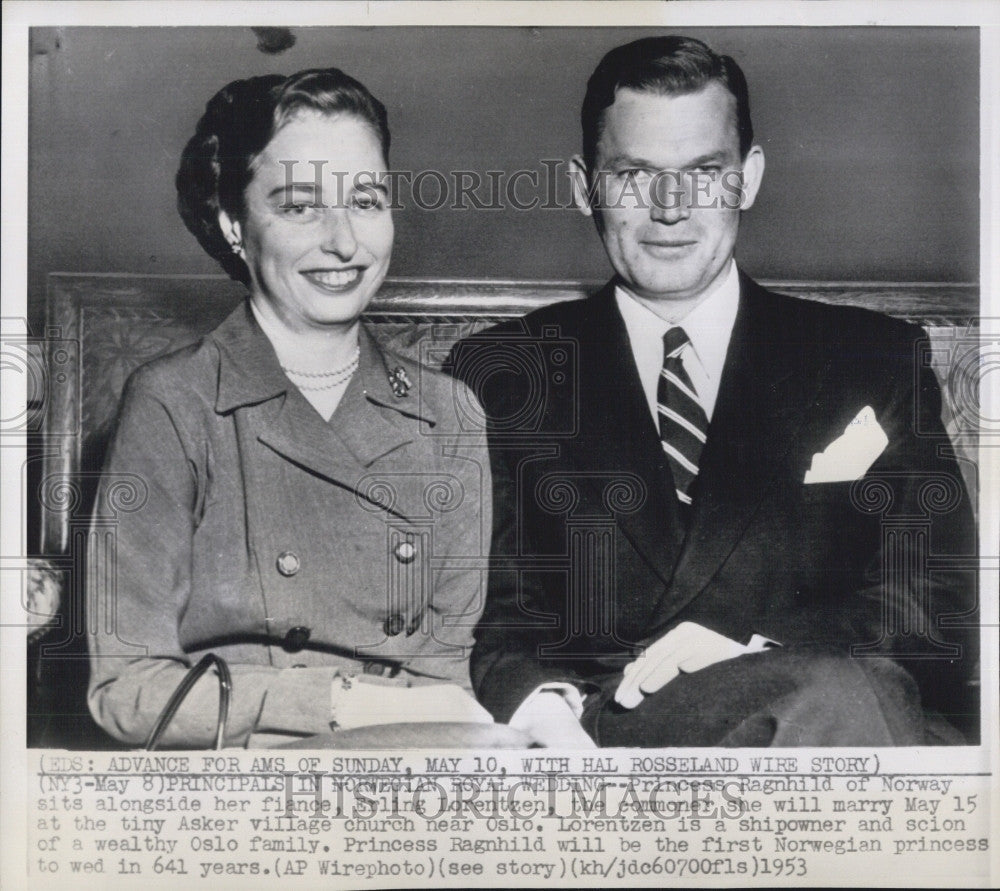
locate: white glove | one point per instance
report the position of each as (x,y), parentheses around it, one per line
(548,718)
(356,703)
(688,647)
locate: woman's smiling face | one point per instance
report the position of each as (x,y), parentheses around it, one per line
(316,229)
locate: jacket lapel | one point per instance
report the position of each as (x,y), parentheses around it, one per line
(766,386)
(620,438)
(370,422)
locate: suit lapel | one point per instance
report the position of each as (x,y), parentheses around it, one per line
(370,422)
(766,385)
(357,435)
(620,439)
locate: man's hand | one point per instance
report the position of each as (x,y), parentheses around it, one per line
(688,647)
(548,718)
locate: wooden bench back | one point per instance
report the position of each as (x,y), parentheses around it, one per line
(102,326)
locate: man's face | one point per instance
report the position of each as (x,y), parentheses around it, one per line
(668,185)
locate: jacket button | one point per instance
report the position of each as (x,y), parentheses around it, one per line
(288,563)
(296,638)
(393,625)
(405,552)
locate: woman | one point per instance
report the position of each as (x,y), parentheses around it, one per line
(312,512)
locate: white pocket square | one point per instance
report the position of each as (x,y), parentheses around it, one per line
(850,455)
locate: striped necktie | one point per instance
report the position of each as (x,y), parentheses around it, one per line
(683,421)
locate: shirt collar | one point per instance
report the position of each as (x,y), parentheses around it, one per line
(249,371)
(709,326)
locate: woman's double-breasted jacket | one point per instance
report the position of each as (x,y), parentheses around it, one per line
(233,519)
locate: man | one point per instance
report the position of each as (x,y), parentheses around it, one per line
(716,507)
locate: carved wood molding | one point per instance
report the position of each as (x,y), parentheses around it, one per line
(935,304)
(929,303)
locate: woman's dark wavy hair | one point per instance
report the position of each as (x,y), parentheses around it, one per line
(238,123)
(669,66)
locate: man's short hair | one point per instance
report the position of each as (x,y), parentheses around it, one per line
(669,66)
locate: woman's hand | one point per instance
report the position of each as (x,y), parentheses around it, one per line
(549,719)
(362,704)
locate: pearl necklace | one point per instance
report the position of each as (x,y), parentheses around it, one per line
(330,379)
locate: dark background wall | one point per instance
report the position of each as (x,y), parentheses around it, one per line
(871,136)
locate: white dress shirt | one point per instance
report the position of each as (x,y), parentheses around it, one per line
(709,327)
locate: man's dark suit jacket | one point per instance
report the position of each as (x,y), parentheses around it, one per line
(590,561)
